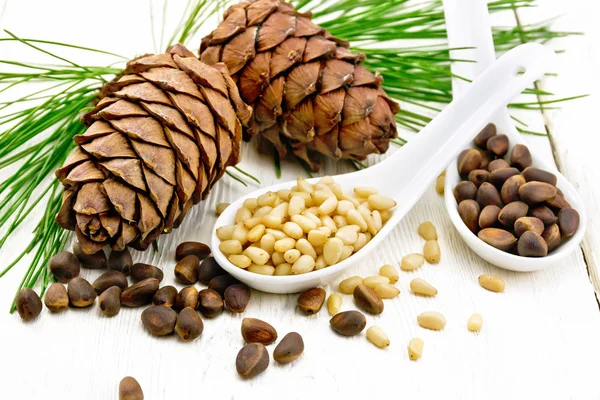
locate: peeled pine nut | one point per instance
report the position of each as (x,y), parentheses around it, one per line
(415,348)
(377,222)
(348,285)
(340,221)
(305,247)
(221,207)
(271,221)
(317,237)
(296,205)
(411,262)
(257,255)
(225,232)
(372,281)
(385,215)
(284,245)
(284,195)
(267,242)
(343,207)
(377,336)
(427,231)
(474,323)
(348,234)
(277,234)
(267,199)
(366,214)
(256,233)
(261,212)
(365,191)
(304,186)
(328,222)
(277,258)
(230,247)
(312,217)
(353,217)
(332,250)
(328,206)
(379,202)
(291,256)
(360,242)
(431,251)
(432,320)
(326,180)
(334,303)
(492,283)
(440,183)
(261,269)
(251,204)
(319,196)
(320,263)
(419,286)
(240,260)
(337,190)
(283,269)
(389,272)
(242,214)
(281,210)
(306,196)
(386,290)
(252,222)
(303,265)
(305,223)
(240,233)
(346,252)
(292,229)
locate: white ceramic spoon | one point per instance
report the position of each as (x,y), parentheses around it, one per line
(467,23)
(409,171)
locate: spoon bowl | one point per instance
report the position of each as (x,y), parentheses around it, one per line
(468,26)
(407,173)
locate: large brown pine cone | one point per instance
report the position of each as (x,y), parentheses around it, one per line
(161,135)
(309,92)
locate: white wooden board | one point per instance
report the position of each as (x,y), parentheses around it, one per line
(540,338)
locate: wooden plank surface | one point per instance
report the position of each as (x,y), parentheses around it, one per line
(539,340)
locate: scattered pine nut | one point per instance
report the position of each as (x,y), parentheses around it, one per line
(221,207)
(492,283)
(389,272)
(386,290)
(373,281)
(431,251)
(348,285)
(378,337)
(334,303)
(432,320)
(423,288)
(428,231)
(415,348)
(411,262)
(440,182)
(474,323)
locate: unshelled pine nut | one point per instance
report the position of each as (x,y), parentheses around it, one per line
(230,247)
(240,260)
(303,265)
(225,232)
(291,255)
(334,303)
(411,262)
(378,337)
(292,229)
(389,272)
(492,282)
(221,207)
(283,269)
(296,206)
(386,290)
(379,202)
(372,281)
(305,247)
(267,242)
(348,285)
(332,250)
(365,191)
(432,320)
(419,286)
(474,323)
(257,255)
(428,231)
(256,233)
(431,251)
(415,348)
(261,269)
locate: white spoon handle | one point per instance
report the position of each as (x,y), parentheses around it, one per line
(407,174)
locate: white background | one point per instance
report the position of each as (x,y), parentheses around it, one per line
(540,338)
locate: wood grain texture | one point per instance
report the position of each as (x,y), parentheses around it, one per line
(539,338)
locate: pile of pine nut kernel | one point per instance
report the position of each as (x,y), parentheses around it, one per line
(306,228)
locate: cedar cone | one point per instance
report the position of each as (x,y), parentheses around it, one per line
(162,134)
(309,92)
